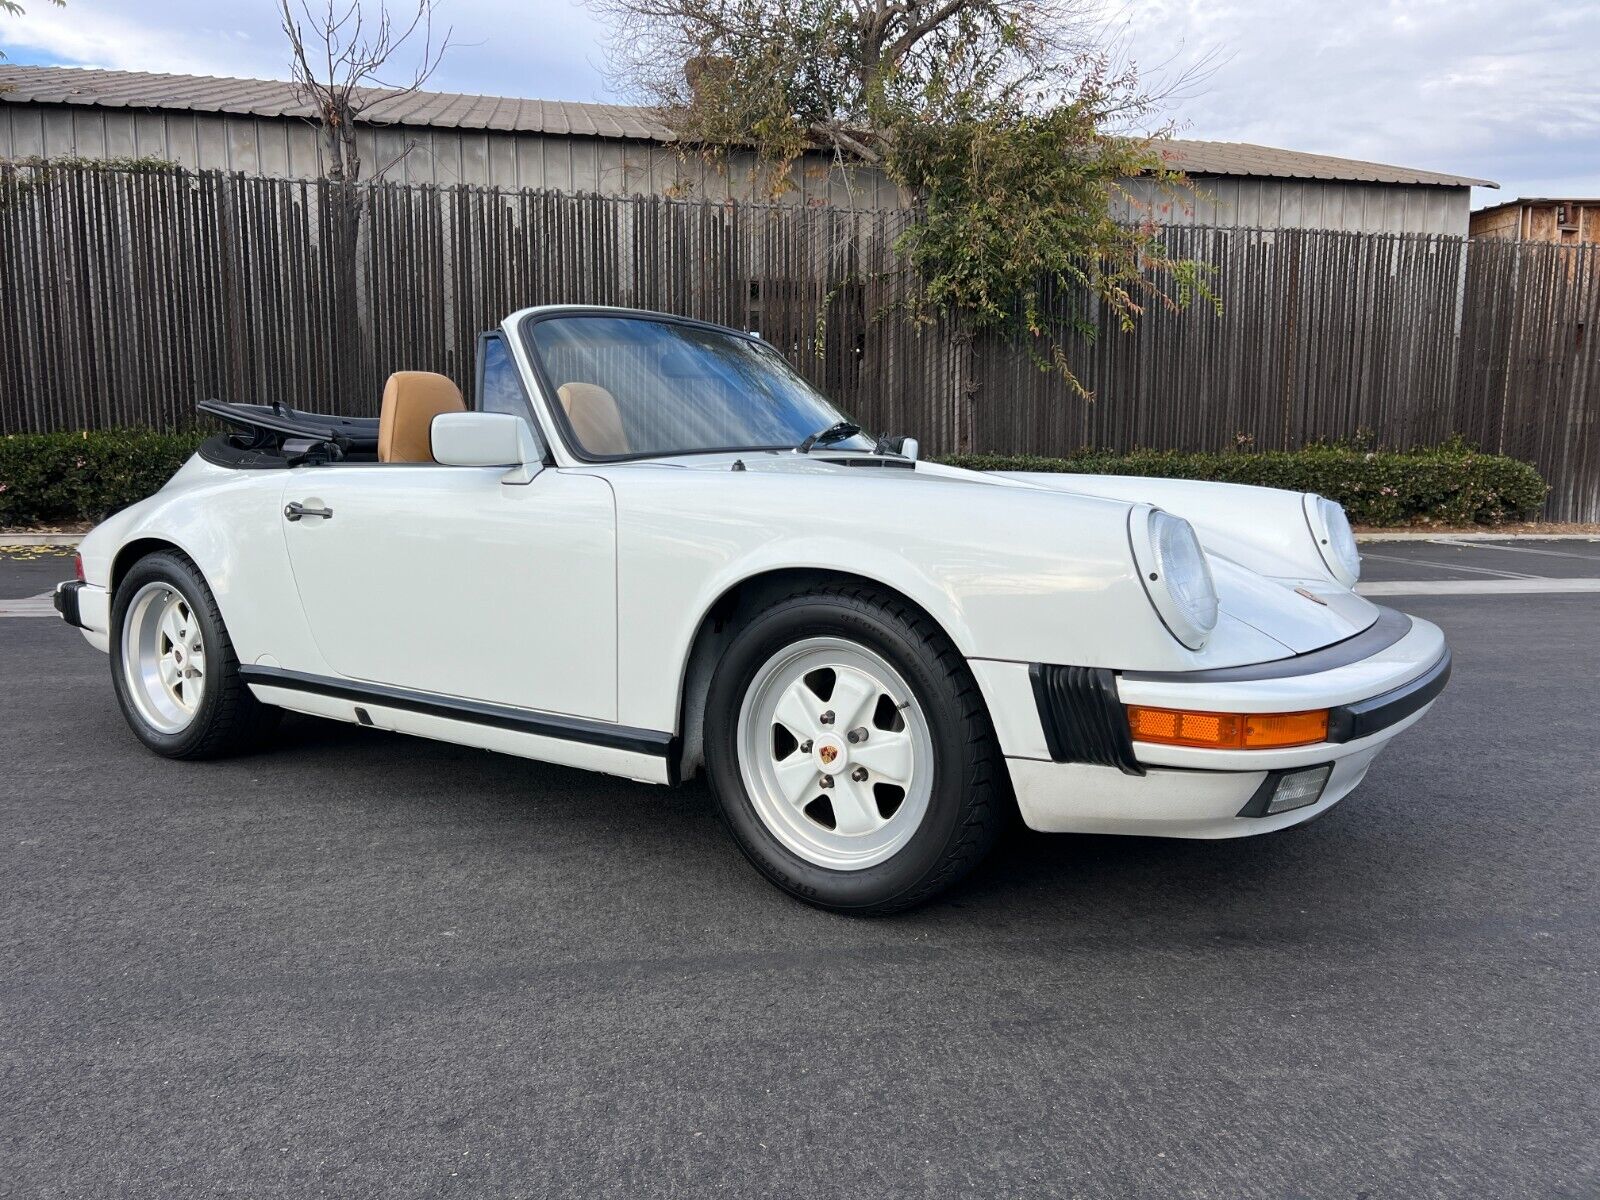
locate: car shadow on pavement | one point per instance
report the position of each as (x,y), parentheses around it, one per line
(671,841)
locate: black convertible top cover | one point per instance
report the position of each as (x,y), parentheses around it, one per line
(268,426)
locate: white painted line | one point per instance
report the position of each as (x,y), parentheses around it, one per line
(1476,587)
(1518,550)
(42,605)
(1444,566)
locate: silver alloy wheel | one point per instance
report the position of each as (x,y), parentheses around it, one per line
(835,753)
(163,657)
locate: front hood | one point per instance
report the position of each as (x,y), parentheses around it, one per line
(1285,614)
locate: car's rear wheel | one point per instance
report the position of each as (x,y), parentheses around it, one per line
(850,751)
(173,665)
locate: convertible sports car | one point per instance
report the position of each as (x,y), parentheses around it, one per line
(652,550)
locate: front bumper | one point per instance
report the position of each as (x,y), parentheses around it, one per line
(1074,769)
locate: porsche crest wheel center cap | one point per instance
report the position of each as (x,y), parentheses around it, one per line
(831,755)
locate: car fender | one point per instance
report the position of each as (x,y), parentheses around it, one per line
(1008,573)
(1262,529)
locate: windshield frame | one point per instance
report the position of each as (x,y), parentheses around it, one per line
(563,426)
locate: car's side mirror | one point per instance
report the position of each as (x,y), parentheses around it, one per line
(910,448)
(480,439)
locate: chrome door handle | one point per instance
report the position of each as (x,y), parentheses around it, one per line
(294,510)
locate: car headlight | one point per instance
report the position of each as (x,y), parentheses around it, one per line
(1176,577)
(1330,529)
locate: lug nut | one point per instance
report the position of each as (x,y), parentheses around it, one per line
(859,774)
(805,746)
(827,717)
(827,781)
(857,735)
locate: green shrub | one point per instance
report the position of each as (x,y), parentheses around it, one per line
(1448,485)
(65,477)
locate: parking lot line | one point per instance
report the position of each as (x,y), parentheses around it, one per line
(1526,585)
(1443,566)
(1496,546)
(43,605)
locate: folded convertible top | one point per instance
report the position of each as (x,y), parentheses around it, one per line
(270,424)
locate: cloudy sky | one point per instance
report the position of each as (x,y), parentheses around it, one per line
(1501,89)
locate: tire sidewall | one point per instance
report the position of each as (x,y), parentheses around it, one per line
(871,626)
(169,569)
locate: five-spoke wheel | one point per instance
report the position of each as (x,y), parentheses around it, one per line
(836,753)
(164,657)
(173,664)
(851,755)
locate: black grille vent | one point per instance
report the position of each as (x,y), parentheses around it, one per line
(1083,719)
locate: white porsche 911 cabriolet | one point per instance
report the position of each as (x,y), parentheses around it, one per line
(651,549)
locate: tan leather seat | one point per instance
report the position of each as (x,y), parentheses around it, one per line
(411,400)
(595,419)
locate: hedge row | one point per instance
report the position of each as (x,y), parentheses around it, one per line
(1447,485)
(64,477)
(57,478)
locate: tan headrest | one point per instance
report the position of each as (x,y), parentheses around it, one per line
(595,419)
(411,400)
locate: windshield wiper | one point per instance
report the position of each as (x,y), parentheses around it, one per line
(837,432)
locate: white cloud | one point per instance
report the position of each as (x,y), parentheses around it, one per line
(1503,89)
(550,50)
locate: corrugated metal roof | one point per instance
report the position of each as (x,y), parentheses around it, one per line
(1241,158)
(276,98)
(454,110)
(1525,201)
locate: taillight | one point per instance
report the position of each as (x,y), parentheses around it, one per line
(77,565)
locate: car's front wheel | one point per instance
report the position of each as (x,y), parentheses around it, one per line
(850,752)
(173,666)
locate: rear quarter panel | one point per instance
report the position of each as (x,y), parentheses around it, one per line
(230,524)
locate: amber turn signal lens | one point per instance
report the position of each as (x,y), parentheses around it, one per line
(1227,731)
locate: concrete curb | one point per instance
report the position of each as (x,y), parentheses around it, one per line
(39,539)
(1409,535)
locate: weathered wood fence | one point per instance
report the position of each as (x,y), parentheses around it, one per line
(126,297)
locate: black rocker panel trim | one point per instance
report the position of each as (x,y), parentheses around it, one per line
(1364,718)
(1083,717)
(476,712)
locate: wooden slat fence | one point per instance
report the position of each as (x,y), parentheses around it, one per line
(125,297)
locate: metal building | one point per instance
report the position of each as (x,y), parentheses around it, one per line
(260,127)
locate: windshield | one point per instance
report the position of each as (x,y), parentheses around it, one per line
(633,387)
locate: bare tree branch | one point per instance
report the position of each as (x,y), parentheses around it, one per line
(353,45)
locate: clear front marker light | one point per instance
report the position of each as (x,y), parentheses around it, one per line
(1297,789)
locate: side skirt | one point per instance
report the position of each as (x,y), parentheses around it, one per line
(645,755)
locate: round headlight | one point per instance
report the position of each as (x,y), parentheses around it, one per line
(1330,528)
(1173,569)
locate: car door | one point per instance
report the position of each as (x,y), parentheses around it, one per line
(451,581)
(446,580)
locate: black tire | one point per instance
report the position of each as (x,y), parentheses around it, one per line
(969,797)
(228,718)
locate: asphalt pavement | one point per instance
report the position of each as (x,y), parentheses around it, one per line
(367,965)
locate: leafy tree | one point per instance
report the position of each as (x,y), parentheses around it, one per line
(1010,125)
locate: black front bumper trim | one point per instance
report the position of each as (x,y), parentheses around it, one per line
(1351,722)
